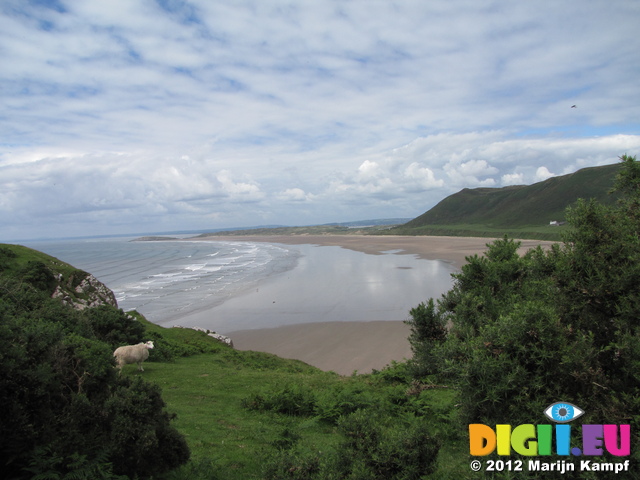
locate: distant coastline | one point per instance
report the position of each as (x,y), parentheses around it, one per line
(154,238)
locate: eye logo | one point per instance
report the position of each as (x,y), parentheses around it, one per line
(563,412)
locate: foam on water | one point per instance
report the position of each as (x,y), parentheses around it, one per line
(226,285)
(164,279)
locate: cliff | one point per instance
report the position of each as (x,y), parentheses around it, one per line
(73,286)
(90,292)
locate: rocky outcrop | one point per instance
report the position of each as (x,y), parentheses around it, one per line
(221,338)
(217,336)
(90,292)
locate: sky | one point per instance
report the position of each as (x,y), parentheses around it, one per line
(133,116)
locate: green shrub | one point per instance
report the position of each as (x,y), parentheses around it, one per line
(38,274)
(375,446)
(561,324)
(427,332)
(294,465)
(46,465)
(379,447)
(65,411)
(113,326)
(286,440)
(343,400)
(289,400)
(6,257)
(394,372)
(142,442)
(167,350)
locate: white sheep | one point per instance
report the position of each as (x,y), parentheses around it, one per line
(133,354)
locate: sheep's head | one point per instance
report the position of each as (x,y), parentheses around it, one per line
(149,344)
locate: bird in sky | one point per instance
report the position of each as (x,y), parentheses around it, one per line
(574,106)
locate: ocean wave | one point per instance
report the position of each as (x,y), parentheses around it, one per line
(160,278)
(208,277)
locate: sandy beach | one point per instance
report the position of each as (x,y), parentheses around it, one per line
(345,347)
(452,250)
(342,347)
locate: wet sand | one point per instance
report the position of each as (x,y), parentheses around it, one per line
(342,347)
(452,250)
(345,347)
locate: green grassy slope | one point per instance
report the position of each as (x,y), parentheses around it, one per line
(24,255)
(206,390)
(529,209)
(211,387)
(218,395)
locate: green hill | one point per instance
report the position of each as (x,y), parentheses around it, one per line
(525,211)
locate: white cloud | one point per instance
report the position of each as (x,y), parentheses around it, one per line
(187,110)
(295,195)
(512,179)
(543,173)
(422,178)
(469,173)
(245,191)
(368,171)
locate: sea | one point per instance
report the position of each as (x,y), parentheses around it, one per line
(236,285)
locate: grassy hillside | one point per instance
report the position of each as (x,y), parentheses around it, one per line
(24,255)
(523,211)
(244,415)
(242,412)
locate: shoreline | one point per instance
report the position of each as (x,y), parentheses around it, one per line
(452,250)
(362,345)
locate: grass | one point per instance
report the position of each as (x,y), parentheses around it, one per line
(206,391)
(206,394)
(535,232)
(212,394)
(24,255)
(308,230)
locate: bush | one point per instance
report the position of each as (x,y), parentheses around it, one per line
(327,405)
(38,274)
(339,401)
(141,440)
(530,330)
(385,448)
(394,372)
(290,400)
(113,326)
(64,409)
(6,257)
(427,332)
(375,447)
(298,465)
(166,350)
(46,465)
